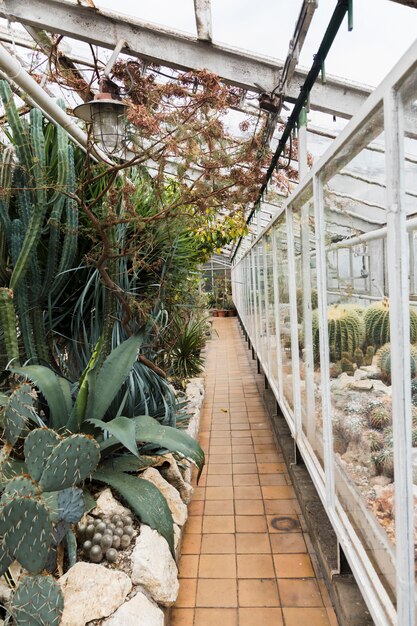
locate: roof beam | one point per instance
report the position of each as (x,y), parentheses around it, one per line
(179,51)
(202,10)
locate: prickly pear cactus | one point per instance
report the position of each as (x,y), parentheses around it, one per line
(384,362)
(71,461)
(37,600)
(377,328)
(38,446)
(71,505)
(17,412)
(346,332)
(27,531)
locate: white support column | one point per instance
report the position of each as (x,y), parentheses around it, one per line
(398,268)
(266,286)
(324,340)
(259,299)
(309,409)
(255,298)
(292,288)
(276,311)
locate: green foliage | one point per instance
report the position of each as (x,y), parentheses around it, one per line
(345,330)
(377,322)
(37,600)
(184,357)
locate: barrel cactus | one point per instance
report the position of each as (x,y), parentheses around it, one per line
(377,327)
(346,332)
(384,362)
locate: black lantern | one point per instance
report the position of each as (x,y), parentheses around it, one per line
(107,114)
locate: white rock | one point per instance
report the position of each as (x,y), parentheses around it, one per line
(362,385)
(176,505)
(91,592)
(137,611)
(381,386)
(107,504)
(154,568)
(177,537)
(173,475)
(360,375)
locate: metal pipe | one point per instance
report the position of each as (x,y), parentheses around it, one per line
(15,72)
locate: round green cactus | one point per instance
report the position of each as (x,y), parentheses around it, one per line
(384,362)
(377,328)
(346,332)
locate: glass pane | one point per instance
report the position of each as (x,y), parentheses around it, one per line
(284,310)
(409,95)
(359,349)
(272,329)
(306,276)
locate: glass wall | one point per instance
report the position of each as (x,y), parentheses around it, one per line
(341,276)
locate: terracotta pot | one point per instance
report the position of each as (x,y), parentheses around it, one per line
(215,313)
(222,313)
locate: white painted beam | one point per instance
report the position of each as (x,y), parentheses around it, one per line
(172,49)
(202,10)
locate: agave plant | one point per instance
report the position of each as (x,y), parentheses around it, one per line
(121,439)
(185,359)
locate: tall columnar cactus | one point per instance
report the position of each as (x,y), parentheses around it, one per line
(346,331)
(377,327)
(384,361)
(37,214)
(8,324)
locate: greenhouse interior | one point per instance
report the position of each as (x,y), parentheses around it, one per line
(208,313)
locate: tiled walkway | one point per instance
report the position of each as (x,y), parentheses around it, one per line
(246,558)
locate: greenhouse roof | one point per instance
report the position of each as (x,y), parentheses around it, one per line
(260,47)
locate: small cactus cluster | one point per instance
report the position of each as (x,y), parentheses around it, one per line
(358,357)
(377,327)
(380,417)
(101,538)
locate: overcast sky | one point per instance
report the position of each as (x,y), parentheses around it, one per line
(383,30)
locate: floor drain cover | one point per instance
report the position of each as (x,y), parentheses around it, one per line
(284,523)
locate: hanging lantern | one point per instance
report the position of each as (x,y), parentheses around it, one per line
(107,114)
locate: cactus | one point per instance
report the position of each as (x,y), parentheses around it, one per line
(20,485)
(369,355)
(358,357)
(38,446)
(375,439)
(18,410)
(377,327)
(71,461)
(384,362)
(8,324)
(37,600)
(101,538)
(345,329)
(384,461)
(27,531)
(380,417)
(36,215)
(71,505)
(300,308)
(346,365)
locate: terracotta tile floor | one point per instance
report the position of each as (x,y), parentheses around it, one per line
(245,560)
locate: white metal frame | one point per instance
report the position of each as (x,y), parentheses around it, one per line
(384,104)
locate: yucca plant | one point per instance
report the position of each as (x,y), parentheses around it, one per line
(185,360)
